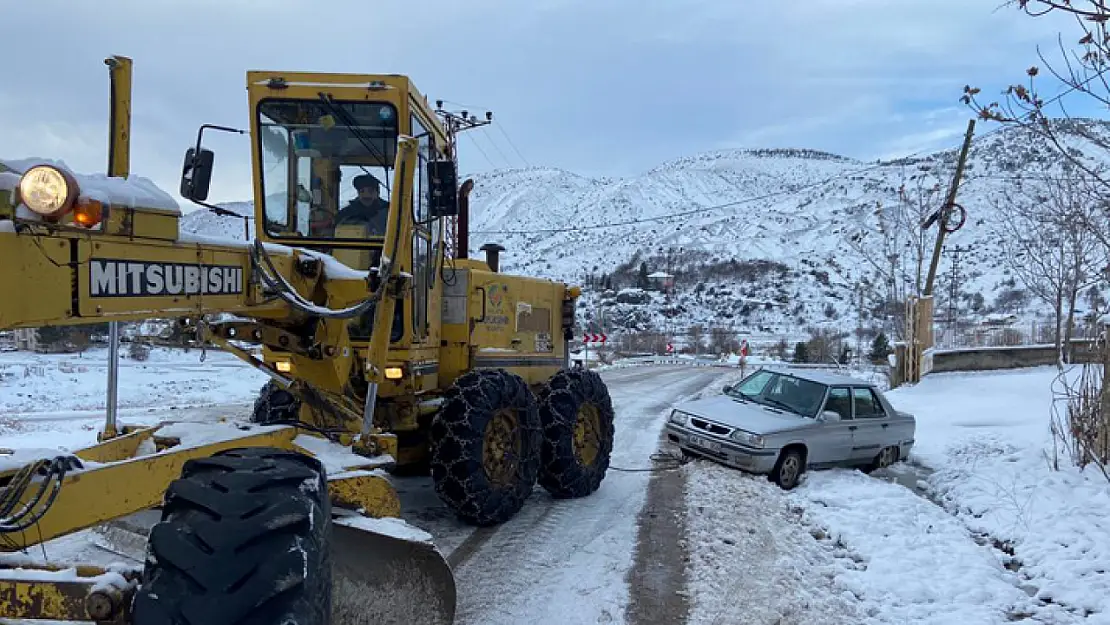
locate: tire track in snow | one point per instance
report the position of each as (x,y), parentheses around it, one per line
(565,560)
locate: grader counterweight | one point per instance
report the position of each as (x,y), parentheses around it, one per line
(384,354)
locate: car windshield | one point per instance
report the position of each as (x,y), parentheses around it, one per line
(782,391)
(326,167)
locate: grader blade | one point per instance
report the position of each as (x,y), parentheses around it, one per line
(383,578)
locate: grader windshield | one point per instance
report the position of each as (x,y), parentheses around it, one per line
(326,167)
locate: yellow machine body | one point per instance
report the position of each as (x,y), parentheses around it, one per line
(375,341)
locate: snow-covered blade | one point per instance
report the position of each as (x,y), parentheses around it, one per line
(381,575)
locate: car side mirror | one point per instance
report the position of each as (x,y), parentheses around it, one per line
(196,174)
(829,416)
(443,191)
(728,388)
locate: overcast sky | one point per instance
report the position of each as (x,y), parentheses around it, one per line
(596,87)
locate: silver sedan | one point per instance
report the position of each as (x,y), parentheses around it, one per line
(782,423)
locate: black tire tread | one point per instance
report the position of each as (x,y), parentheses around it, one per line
(561,474)
(456,441)
(274,404)
(243,540)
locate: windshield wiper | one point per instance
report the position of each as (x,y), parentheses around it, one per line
(780,405)
(742,396)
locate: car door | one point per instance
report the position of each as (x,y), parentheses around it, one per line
(872,424)
(832,440)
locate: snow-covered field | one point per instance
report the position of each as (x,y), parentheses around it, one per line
(33,384)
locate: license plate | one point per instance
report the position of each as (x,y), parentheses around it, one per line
(705,443)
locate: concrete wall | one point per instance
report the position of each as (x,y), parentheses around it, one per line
(991,358)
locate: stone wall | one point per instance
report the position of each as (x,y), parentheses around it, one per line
(991,358)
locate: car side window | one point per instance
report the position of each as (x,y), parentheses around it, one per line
(840,402)
(866,404)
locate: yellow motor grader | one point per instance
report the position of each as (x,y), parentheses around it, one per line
(384,352)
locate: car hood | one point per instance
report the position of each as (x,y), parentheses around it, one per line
(750,416)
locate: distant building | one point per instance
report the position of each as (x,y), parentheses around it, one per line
(661,280)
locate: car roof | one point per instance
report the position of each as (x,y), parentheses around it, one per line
(823,377)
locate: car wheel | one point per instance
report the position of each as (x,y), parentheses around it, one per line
(788,470)
(886,457)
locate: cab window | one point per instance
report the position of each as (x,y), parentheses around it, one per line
(326,167)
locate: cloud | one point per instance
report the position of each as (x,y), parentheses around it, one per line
(598,88)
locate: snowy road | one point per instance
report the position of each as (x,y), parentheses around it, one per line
(564,561)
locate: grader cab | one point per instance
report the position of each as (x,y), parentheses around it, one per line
(384,353)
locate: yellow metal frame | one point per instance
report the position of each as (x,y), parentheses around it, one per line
(520,318)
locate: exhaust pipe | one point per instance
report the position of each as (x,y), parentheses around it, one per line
(493,254)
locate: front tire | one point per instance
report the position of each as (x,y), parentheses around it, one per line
(578,417)
(789,469)
(244,540)
(485,446)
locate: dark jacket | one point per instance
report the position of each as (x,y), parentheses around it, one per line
(374,216)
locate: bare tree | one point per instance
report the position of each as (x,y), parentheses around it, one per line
(1049,243)
(1082,70)
(895,247)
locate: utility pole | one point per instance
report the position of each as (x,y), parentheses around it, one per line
(458,228)
(859,327)
(954,291)
(945,212)
(919,324)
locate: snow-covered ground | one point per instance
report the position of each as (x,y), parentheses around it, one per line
(35,384)
(977,528)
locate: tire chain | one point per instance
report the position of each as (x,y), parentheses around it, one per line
(561,474)
(456,446)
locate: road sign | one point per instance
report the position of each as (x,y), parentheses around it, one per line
(670,348)
(594,338)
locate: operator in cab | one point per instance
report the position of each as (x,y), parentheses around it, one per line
(368,208)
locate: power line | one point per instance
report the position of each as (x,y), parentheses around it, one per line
(511,144)
(716,207)
(483,152)
(489,138)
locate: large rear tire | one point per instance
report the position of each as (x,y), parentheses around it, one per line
(244,540)
(577,415)
(275,405)
(485,446)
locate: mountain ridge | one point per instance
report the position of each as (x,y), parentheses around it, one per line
(814,217)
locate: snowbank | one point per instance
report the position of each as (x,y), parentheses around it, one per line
(986,437)
(904,558)
(750,559)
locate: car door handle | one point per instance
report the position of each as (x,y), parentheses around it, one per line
(886,425)
(852,427)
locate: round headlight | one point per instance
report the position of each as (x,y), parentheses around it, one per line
(47,190)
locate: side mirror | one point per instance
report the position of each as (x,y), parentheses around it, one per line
(728,388)
(443,193)
(196,174)
(829,416)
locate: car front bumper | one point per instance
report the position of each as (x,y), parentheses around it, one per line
(729,453)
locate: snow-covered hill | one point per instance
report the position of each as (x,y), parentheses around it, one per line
(774,239)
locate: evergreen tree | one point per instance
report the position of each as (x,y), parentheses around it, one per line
(643,281)
(880,348)
(801,352)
